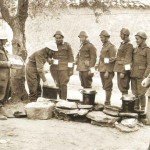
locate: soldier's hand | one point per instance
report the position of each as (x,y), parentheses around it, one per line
(96,67)
(46,83)
(70,72)
(9,64)
(50,61)
(106,75)
(90,74)
(145,82)
(87,63)
(112,59)
(122,75)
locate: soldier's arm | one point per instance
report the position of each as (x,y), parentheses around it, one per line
(147,72)
(112,53)
(129,54)
(93,56)
(3,64)
(70,54)
(40,61)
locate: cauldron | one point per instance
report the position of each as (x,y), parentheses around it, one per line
(88,96)
(50,92)
(128,102)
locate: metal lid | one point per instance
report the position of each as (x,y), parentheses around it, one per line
(88,91)
(51,87)
(128,97)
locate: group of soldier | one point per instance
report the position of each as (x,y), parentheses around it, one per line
(131,65)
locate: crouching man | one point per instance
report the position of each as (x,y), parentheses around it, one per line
(146,83)
(35,71)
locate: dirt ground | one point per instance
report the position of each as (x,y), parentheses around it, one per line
(25,134)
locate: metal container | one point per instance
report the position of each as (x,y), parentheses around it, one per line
(88,96)
(50,92)
(128,102)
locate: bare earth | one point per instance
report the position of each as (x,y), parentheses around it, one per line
(24,134)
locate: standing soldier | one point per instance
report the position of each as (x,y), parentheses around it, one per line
(140,70)
(62,67)
(85,60)
(35,71)
(4,72)
(106,64)
(123,62)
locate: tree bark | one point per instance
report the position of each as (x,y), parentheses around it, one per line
(17,23)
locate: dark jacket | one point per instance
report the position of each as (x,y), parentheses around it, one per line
(86,57)
(108,51)
(64,55)
(38,59)
(124,57)
(4,73)
(141,62)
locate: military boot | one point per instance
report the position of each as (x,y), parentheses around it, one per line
(108,96)
(143,103)
(136,105)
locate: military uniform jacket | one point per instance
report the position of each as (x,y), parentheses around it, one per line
(4,73)
(64,55)
(4,69)
(86,58)
(141,62)
(108,51)
(38,59)
(148,91)
(124,57)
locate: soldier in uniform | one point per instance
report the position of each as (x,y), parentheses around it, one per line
(35,72)
(123,62)
(140,70)
(106,64)
(85,60)
(4,72)
(146,83)
(62,67)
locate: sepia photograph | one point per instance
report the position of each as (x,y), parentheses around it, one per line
(74,74)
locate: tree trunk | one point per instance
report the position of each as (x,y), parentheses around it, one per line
(18,91)
(17,23)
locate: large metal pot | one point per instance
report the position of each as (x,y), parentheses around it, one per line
(128,102)
(88,96)
(50,92)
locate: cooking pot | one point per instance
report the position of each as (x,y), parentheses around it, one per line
(50,92)
(88,96)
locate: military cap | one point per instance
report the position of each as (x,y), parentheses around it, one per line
(125,31)
(142,35)
(83,33)
(59,33)
(104,33)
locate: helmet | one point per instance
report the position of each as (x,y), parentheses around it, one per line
(52,45)
(125,31)
(59,33)
(104,33)
(83,33)
(142,35)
